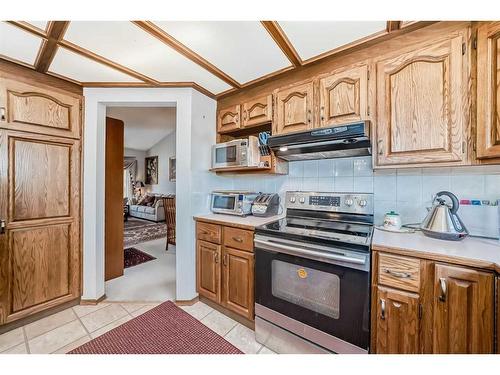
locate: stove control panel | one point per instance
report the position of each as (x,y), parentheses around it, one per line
(360,203)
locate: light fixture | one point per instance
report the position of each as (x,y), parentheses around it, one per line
(283,148)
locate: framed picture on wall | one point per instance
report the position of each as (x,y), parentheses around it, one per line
(151,170)
(171,168)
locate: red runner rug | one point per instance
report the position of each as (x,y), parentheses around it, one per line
(165,329)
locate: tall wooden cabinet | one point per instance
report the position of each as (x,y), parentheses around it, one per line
(422,105)
(343,96)
(224,267)
(39,198)
(488,90)
(294,108)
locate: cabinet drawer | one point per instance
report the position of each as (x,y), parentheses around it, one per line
(399,272)
(208,232)
(238,238)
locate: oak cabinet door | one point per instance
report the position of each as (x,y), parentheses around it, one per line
(40,203)
(421,115)
(488,90)
(208,270)
(294,109)
(463,310)
(238,289)
(258,111)
(343,96)
(39,110)
(228,119)
(398,322)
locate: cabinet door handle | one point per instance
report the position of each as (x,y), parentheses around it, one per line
(401,275)
(382,309)
(322,113)
(244,115)
(224,260)
(442,284)
(216,257)
(2,114)
(380,143)
(238,239)
(2,226)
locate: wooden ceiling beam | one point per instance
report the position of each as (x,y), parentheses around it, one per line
(55,33)
(169,40)
(393,26)
(29,28)
(279,36)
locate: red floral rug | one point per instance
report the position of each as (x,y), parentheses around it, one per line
(133,257)
(165,329)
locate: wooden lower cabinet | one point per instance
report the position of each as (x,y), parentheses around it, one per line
(225,274)
(237,281)
(463,310)
(398,322)
(452,312)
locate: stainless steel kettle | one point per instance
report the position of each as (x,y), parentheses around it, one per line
(442,221)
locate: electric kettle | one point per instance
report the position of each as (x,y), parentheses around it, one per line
(442,221)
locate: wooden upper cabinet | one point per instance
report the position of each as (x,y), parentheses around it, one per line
(39,110)
(463,310)
(488,90)
(228,119)
(257,111)
(208,270)
(398,322)
(343,96)
(421,106)
(294,108)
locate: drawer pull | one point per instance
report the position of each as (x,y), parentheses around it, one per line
(401,275)
(442,284)
(238,239)
(382,309)
(204,232)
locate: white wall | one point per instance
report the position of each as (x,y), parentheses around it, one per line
(187,115)
(164,149)
(139,155)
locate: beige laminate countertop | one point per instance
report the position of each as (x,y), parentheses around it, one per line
(471,251)
(246,222)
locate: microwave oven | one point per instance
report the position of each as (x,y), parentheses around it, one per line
(232,202)
(236,153)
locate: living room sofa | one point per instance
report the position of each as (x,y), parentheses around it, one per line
(153,212)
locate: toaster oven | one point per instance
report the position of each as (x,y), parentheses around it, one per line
(232,202)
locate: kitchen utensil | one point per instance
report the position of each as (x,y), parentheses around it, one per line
(392,221)
(442,221)
(263,147)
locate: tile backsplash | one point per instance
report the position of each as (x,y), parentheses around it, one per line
(406,191)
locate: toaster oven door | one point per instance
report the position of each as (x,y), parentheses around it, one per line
(224,203)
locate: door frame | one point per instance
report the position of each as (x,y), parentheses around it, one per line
(96,101)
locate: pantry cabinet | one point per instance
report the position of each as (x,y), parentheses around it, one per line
(422,106)
(228,119)
(463,307)
(343,96)
(488,90)
(294,108)
(225,267)
(257,111)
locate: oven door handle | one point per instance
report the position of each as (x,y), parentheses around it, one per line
(317,255)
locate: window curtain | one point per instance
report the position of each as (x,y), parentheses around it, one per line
(129,176)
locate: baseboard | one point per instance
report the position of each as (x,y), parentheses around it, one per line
(247,323)
(186,302)
(85,302)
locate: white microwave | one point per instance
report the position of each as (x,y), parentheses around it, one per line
(236,153)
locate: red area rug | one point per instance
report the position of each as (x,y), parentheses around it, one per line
(165,329)
(133,257)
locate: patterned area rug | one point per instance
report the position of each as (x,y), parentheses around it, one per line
(137,231)
(134,256)
(165,329)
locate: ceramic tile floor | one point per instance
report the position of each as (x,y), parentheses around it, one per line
(68,329)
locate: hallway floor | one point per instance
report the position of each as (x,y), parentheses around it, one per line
(152,281)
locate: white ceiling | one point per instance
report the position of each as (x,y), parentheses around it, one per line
(311,39)
(18,45)
(231,46)
(242,50)
(144,126)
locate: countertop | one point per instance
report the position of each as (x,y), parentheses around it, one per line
(246,222)
(472,251)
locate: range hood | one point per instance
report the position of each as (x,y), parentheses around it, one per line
(339,141)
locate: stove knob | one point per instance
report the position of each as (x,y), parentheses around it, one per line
(302,200)
(292,199)
(362,202)
(348,202)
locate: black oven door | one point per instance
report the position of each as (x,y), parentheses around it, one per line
(323,288)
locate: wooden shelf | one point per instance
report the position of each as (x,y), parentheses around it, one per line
(276,166)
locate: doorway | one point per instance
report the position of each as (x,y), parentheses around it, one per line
(140,191)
